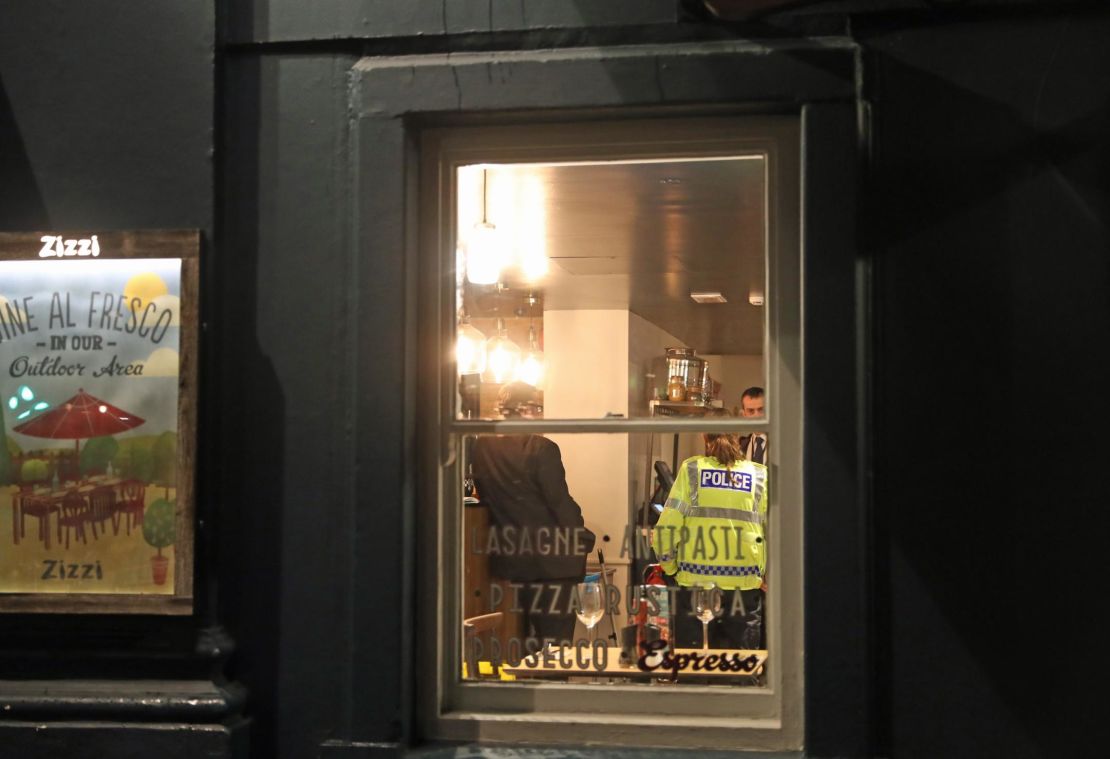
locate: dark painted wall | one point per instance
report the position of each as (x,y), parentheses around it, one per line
(289,20)
(986,223)
(290,539)
(106,114)
(991,234)
(106,122)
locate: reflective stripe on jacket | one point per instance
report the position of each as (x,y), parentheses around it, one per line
(711,528)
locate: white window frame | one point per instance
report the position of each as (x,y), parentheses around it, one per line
(687,716)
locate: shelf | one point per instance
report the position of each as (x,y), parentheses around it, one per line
(682,408)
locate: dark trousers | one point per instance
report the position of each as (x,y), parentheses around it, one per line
(735,628)
(546,603)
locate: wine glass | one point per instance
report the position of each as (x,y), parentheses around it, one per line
(707,607)
(589,610)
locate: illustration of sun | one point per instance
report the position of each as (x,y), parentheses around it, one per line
(13,315)
(146,287)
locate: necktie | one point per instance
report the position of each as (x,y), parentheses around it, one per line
(758,455)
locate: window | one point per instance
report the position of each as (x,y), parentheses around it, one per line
(596,298)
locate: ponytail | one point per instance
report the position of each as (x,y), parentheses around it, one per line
(723,447)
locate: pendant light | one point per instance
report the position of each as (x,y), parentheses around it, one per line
(502,356)
(470,348)
(483,248)
(531,368)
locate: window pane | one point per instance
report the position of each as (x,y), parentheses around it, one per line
(616,289)
(563,580)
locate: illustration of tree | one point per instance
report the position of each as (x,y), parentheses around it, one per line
(121,462)
(165,461)
(97,453)
(5,455)
(142,462)
(34,470)
(134,460)
(159,528)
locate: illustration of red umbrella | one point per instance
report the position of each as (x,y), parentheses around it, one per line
(82,416)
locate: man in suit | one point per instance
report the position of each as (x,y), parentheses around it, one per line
(522,481)
(755,445)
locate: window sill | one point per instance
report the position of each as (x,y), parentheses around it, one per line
(647,732)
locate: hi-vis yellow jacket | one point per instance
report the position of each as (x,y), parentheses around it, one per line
(711,528)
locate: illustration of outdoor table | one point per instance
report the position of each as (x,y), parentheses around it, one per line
(46,502)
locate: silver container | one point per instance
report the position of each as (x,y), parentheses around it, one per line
(681,362)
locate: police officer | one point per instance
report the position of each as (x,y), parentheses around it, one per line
(711,532)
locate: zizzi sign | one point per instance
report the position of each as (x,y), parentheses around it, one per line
(98,345)
(56,246)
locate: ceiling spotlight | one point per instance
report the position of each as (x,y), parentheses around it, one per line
(705,296)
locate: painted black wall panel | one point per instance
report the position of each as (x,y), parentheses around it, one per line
(383,502)
(289,597)
(993,305)
(106,114)
(288,20)
(837,567)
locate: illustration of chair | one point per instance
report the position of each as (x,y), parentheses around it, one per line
(75,512)
(132,503)
(102,506)
(39,508)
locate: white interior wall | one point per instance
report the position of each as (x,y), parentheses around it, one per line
(736,374)
(587,357)
(587,375)
(646,341)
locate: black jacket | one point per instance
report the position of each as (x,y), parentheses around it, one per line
(539,531)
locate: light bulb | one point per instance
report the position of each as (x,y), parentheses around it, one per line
(502,358)
(533,264)
(483,254)
(470,349)
(531,369)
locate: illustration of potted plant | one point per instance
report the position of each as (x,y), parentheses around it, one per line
(159,524)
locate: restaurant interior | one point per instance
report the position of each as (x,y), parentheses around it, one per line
(601,284)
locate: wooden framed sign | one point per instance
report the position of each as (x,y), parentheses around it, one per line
(98,356)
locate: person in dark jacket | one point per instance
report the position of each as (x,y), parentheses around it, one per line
(538,535)
(754,446)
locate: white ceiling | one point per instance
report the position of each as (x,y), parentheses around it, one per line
(637,236)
